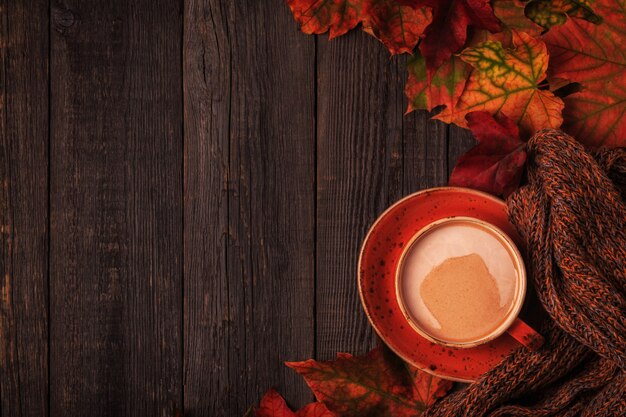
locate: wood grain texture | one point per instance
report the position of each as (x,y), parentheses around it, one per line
(424,152)
(23,208)
(188,213)
(249,204)
(459,141)
(116,208)
(360,169)
(207,98)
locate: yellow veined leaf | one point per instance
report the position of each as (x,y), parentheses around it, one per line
(508,81)
(548,13)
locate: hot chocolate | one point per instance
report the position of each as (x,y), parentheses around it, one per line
(458,281)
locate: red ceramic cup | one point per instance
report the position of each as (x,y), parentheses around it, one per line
(510,323)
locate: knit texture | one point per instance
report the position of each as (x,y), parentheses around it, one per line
(571,215)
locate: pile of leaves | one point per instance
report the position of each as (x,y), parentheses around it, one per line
(377,384)
(524,65)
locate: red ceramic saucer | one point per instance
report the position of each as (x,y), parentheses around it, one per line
(376,275)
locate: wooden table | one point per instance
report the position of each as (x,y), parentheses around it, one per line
(185,187)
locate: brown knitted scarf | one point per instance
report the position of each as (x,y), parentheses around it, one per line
(571,215)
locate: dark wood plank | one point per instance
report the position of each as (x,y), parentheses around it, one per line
(360,173)
(250,198)
(116,208)
(425,153)
(459,141)
(369,156)
(207,97)
(271,203)
(23,208)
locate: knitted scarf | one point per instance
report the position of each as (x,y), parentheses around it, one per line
(571,215)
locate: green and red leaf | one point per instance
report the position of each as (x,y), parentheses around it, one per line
(274,405)
(593,55)
(496,164)
(445,86)
(511,14)
(508,81)
(378,384)
(548,13)
(448,32)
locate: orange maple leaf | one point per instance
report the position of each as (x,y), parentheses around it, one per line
(508,81)
(396,23)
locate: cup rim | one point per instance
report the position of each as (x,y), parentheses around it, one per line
(520,293)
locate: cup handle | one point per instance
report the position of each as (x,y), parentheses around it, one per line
(525,335)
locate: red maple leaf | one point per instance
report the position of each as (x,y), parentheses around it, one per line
(496,164)
(447,33)
(314,410)
(593,56)
(377,384)
(398,24)
(319,16)
(399,27)
(273,405)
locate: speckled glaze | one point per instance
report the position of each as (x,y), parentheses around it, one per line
(518,295)
(378,261)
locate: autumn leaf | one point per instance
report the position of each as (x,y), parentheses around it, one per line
(273,405)
(448,32)
(396,23)
(508,81)
(398,27)
(513,17)
(445,86)
(594,56)
(319,16)
(448,83)
(496,164)
(548,13)
(377,384)
(314,410)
